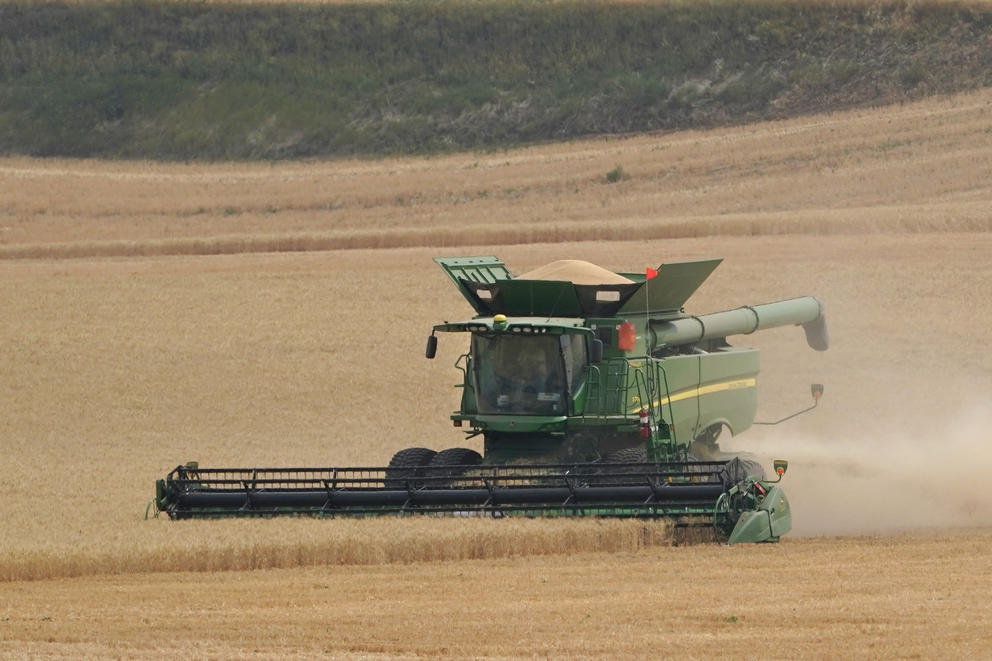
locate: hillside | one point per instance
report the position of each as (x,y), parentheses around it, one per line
(913,167)
(178,81)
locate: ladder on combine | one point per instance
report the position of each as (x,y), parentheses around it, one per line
(625,383)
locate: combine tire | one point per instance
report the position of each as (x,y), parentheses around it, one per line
(618,475)
(740,468)
(706,447)
(705,475)
(457,457)
(627,456)
(407,465)
(451,463)
(753,468)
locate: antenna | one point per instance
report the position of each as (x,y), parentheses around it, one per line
(649,274)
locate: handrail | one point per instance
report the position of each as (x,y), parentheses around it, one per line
(671,409)
(641,383)
(590,384)
(645,396)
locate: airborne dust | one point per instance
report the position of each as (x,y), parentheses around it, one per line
(921,474)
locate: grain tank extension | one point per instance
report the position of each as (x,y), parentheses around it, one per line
(593,394)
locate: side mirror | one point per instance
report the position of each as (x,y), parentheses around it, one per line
(432,346)
(596,351)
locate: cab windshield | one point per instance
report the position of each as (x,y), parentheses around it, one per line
(527,374)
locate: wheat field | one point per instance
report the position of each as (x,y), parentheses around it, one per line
(276,315)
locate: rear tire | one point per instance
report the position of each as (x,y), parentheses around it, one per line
(705,474)
(706,446)
(753,468)
(739,468)
(407,465)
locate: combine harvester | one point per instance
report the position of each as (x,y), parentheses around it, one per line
(594,394)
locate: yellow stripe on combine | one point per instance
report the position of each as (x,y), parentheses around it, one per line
(736,384)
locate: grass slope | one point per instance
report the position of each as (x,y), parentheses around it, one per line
(230,81)
(913,167)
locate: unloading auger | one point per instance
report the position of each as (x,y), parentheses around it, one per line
(594,393)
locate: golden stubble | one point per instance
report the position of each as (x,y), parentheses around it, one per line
(854,598)
(118,370)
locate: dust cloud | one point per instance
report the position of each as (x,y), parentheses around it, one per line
(919,476)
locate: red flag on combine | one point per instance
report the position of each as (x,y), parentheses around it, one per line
(652,273)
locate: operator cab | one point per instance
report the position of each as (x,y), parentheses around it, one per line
(527,374)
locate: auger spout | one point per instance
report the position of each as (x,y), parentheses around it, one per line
(806,311)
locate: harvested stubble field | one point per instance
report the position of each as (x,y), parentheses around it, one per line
(141,353)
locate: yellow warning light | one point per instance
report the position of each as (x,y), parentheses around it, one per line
(500,318)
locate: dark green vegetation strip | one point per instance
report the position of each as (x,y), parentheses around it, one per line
(211,81)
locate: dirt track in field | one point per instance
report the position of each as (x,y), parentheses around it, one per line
(116,369)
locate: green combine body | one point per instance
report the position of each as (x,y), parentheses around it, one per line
(594,393)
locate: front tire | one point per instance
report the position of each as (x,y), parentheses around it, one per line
(406,466)
(447,465)
(456,457)
(635,455)
(620,475)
